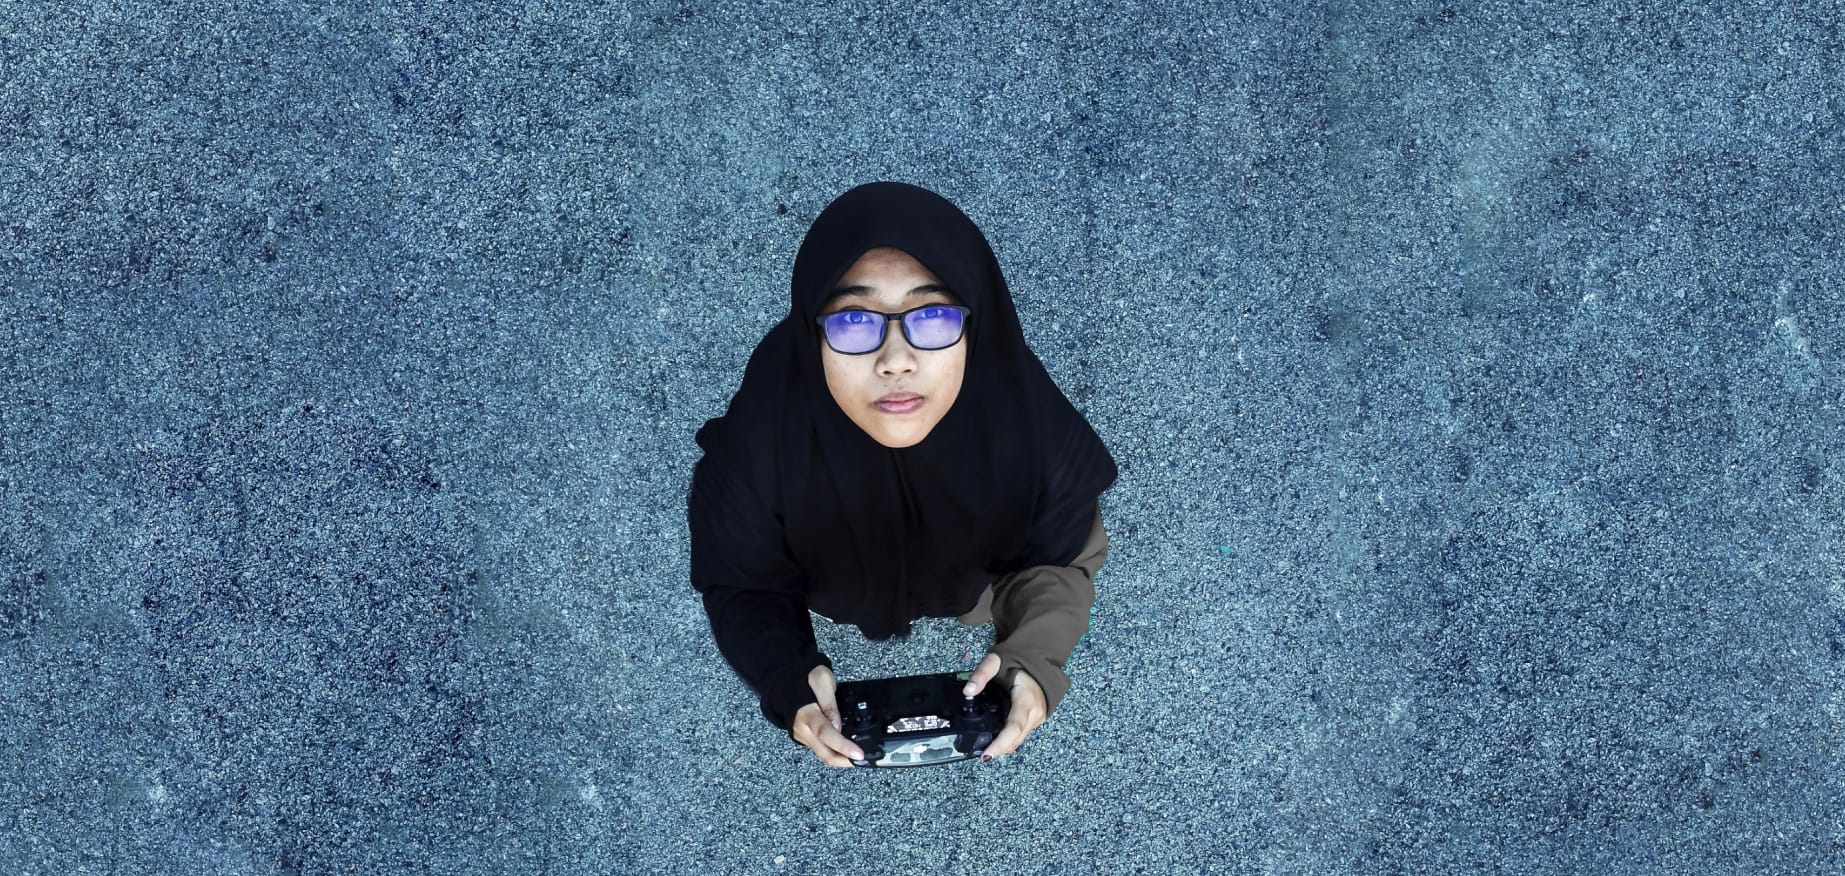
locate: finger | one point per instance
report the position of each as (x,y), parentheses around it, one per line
(830,757)
(989,667)
(820,680)
(1008,739)
(840,750)
(1027,713)
(824,687)
(827,744)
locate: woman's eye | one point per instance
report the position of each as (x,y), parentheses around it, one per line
(932,313)
(856,317)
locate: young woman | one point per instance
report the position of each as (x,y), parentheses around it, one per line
(896,451)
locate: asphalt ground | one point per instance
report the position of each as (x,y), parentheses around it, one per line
(1473,370)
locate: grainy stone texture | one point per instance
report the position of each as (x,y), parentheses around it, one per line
(1474,370)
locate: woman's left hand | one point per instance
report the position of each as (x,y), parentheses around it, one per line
(1028,707)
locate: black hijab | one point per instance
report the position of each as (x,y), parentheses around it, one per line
(792,497)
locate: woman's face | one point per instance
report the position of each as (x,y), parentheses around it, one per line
(896,393)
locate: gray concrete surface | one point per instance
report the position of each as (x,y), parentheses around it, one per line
(1474,370)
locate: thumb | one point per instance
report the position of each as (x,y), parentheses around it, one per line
(989,667)
(821,680)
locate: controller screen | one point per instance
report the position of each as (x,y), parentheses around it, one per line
(920,752)
(925,722)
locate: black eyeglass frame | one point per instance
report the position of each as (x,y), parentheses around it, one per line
(967,316)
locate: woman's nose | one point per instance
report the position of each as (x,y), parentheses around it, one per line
(897,357)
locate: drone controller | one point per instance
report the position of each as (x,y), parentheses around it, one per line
(920,720)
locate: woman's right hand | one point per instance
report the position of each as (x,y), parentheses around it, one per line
(817,724)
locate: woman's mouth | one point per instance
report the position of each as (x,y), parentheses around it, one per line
(899,403)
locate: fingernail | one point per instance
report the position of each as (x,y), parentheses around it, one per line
(966,690)
(985,758)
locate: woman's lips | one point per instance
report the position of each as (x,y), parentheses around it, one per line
(899,403)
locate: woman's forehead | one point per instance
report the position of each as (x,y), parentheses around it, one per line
(891,286)
(885,261)
(889,271)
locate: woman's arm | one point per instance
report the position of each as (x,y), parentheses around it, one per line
(768,638)
(1041,613)
(752,590)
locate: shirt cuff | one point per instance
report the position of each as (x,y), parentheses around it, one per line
(788,691)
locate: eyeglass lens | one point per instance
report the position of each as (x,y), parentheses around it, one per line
(861,331)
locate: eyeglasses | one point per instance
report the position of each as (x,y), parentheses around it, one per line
(929,327)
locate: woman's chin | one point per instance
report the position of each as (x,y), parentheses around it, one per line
(898,431)
(903,435)
(898,442)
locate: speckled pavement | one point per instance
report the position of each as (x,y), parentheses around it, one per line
(1474,372)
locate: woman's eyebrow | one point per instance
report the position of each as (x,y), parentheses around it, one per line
(924,289)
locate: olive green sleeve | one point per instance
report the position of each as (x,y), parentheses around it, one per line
(1040,614)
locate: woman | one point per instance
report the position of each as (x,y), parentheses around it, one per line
(896,451)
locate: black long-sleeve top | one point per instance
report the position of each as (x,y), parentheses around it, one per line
(1040,614)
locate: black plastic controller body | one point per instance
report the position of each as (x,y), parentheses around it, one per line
(920,720)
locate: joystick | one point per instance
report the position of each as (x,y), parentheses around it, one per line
(861,727)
